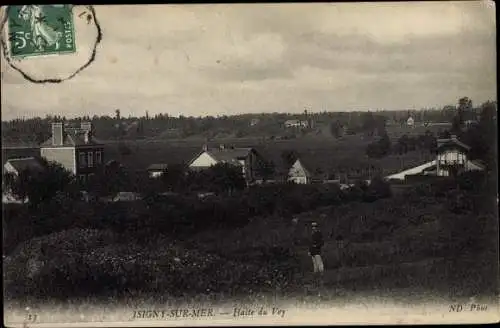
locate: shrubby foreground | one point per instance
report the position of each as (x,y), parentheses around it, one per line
(440,236)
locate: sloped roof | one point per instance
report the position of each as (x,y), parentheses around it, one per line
(451,142)
(157,167)
(73,137)
(317,164)
(229,154)
(26,163)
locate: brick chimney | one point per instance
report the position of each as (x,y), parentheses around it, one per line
(205,147)
(57,134)
(87,128)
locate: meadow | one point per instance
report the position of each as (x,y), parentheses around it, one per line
(348,151)
(436,236)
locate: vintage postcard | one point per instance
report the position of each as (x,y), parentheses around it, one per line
(249,164)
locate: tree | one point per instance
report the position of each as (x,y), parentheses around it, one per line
(109,181)
(379,148)
(41,186)
(289,157)
(464,107)
(265,170)
(368,123)
(335,129)
(174,177)
(482,138)
(224,177)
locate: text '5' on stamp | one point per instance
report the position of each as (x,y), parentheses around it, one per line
(37,30)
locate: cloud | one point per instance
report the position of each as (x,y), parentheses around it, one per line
(226,59)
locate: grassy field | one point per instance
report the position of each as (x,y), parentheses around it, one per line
(347,151)
(416,240)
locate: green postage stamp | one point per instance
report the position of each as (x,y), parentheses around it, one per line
(36,30)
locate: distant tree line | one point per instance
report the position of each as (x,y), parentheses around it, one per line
(480,135)
(36,130)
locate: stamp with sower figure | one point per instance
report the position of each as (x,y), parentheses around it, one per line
(36,30)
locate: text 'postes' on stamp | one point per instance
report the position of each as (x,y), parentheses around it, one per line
(36,30)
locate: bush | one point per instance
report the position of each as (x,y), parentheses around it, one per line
(377,189)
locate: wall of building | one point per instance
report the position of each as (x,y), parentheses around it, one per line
(298,174)
(202,161)
(65,156)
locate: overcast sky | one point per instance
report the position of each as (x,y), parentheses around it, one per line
(228,59)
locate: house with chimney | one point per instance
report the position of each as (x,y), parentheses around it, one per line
(75,148)
(247,159)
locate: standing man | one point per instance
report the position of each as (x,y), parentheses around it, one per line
(315,253)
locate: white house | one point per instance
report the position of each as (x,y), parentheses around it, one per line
(254,121)
(16,166)
(126,196)
(296,123)
(410,121)
(299,174)
(311,170)
(246,158)
(156,170)
(452,154)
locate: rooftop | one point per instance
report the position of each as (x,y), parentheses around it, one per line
(73,137)
(229,155)
(158,167)
(26,163)
(453,141)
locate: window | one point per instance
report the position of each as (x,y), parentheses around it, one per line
(98,157)
(82,178)
(82,160)
(91,159)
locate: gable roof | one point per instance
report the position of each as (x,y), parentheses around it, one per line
(157,167)
(226,155)
(26,163)
(230,154)
(453,141)
(317,165)
(73,137)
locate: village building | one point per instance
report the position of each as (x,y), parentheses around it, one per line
(15,167)
(246,158)
(75,148)
(254,121)
(410,122)
(156,170)
(296,123)
(311,169)
(451,158)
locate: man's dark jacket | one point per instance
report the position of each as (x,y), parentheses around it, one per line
(317,243)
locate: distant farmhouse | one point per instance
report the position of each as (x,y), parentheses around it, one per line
(296,123)
(246,158)
(306,170)
(452,157)
(75,148)
(157,170)
(254,121)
